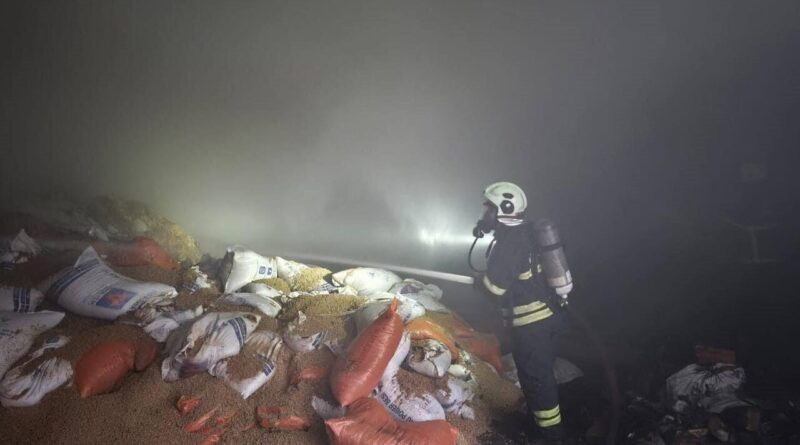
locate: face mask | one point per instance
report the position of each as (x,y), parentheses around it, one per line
(487,222)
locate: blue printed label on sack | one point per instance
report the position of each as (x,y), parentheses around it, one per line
(268,368)
(115,298)
(22,301)
(409,289)
(53,340)
(262,270)
(239,329)
(189,369)
(318,341)
(383,397)
(54,293)
(447,406)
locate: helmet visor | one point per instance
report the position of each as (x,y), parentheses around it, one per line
(488,219)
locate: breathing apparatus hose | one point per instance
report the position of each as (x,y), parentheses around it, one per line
(486,255)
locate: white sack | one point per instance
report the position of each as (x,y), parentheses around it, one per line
(330,289)
(402,406)
(263,290)
(455,398)
(24,244)
(19,250)
(263,348)
(325,288)
(18,389)
(18,331)
(19,299)
(267,306)
(242,266)
(407,310)
(288,269)
(196,347)
(92,289)
(161,326)
(461,372)
(298,343)
(429,357)
(337,346)
(327,410)
(366,280)
(712,387)
(428,295)
(45,285)
(200,281)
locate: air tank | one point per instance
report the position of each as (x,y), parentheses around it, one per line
(551,257)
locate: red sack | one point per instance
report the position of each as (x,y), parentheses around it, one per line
(356,373)
(486,347)
(102,366)
(292,423)
(146,351)
(271,419)
(421,329)
(309,373)
(187,404)
(460,327)
(368,423)
(142,251)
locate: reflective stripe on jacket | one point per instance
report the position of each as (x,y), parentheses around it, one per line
(511,276)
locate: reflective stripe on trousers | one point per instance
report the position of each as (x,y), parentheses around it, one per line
(525,314)
(548,417)
(534,351)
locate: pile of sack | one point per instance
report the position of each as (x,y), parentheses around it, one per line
(89,288)
(396,331)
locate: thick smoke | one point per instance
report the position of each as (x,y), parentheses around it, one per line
(367,130)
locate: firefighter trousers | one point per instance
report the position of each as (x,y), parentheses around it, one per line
(534,350)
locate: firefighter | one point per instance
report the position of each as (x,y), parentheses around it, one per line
(527,304)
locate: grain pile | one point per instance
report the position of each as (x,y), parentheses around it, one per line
(310,279)
(124,219)
(142,409)
(322,305)
(276,283)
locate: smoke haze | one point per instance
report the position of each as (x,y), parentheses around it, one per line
(367,130)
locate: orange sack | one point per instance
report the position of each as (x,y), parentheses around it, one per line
(142,251)
(309,373)
(368,423)
(146,352)
(356,373)
(424,329)
(486,347)
(460,327)
(101,367)
(292,423)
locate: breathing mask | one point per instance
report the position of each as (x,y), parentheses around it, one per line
(487,222)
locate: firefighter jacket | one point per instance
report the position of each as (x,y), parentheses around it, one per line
(513,276)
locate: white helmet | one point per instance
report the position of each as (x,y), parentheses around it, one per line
(509,198)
